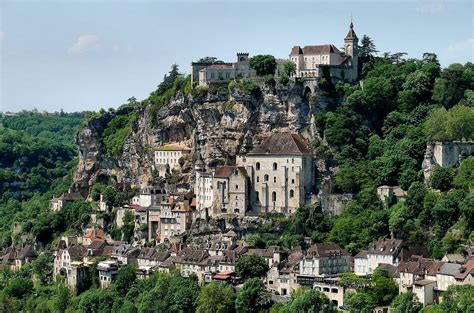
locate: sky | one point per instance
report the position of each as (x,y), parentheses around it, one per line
(87,55)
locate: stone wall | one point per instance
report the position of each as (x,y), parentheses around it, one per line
(445,154)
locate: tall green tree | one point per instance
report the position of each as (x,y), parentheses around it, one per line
(215,297)
(263,64)
(406,302)
(253,297)
(310,301)
(250,266)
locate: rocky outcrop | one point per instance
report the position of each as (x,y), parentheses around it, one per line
(225,124)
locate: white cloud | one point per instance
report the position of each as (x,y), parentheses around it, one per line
(84,44)
(431,8)
(460,46)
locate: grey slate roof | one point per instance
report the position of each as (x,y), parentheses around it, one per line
(283,144)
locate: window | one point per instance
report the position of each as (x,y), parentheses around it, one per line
(236,186)
(258,179)
(274,179)
(292,193)
(274,196)
(227,75)
(292,181)
(265,178)
(256,196)
(212,75)
(257,166)
(275,166)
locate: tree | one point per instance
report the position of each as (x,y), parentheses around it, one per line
(406,302)
(43,269)
(465,176)
(253,297)
(458,299)
(442,178)
(367,53)
(263,64)
(215,297)
(250,266)
(19,287)
(289,69)
(310,301)
(168,80)
(383,288)
(97,300)
(125,278)
(359,302)
(62,299)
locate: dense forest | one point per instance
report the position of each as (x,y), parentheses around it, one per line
(37,155)
(376,136)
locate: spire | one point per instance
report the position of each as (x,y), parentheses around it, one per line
(351,33)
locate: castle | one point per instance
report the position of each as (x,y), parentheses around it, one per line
(310,61)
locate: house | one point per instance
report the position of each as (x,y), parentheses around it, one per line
(325,259)
(281,173)
(311,61)
(169,157)
(93,235)
(390,194)
(8,259)
(333,289)
(56,204)
(64,257)
(209,72)
(191,262)
(77,274)
(387,251)
(108,271)
(230,186)
(151,196)
(361,263)
(175,218)
(286,281)
(26,255)
(271,254)
(125,254)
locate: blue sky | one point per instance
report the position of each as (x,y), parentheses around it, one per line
(84,55)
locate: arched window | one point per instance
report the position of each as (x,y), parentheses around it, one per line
(274,196)
(292,193)
(274,166)
(274,179)
(258,179)
(292,181)
(257,166)
(265,178)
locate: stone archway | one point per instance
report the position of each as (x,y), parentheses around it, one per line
(307,92)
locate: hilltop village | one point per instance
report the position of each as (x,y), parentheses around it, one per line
(199,216)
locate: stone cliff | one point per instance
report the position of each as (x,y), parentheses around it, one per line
(227,123)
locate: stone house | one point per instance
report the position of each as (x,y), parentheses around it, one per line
(203,189)
(333,289)
(108,271)
(125,254)
(311,60)
(281,173)
(26,255)
(93,235)
(8,259)
(151,196)
(192,262)
(77,274)
(168,157)
(325,259)
(361,263)
(205,73)
(175,218)
(56,204)
(64,257)
(284,282)
(230,186)
(386,251)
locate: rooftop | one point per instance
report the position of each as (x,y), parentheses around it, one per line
(283,144)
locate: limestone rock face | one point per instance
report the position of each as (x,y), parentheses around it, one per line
(224,123)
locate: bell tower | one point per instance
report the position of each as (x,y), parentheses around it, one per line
(351,48)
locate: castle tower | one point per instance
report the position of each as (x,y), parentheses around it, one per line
(242,56)
(351,44)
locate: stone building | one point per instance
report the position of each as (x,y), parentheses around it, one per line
(445,154)
(342,65)
(108,271)
(281,173)
(168,157)
(175,218)
(230,188)
(325,259)
(205,73)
